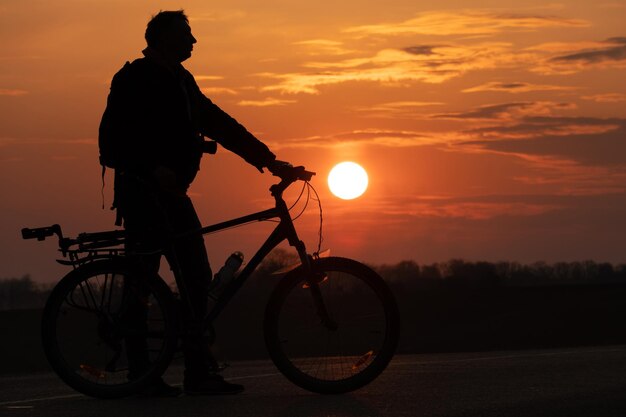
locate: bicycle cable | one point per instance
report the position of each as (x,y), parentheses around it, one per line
(309,188)
(306,204)
(319,204)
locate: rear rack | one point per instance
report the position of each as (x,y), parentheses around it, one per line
(87,247)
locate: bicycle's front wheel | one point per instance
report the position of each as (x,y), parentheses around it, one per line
(108,330)
(333,330)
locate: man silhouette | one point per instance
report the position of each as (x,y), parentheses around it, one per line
(152,135)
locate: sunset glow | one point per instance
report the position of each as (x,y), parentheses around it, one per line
(489,130)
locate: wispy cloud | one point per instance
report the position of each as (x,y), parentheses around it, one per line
(221,16)
(208,77)
(614,51)
(9,141)
(606,98)
(325,47)
(508,111)
(584,139)
(397,66)
(534,127)
(516,87)
(219,90)
(539,128)
(266,102)
(12,92)
(379,137)
(607,54)
(469,22)
(475,208)
(396,109)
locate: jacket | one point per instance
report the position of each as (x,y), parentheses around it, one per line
(158,116)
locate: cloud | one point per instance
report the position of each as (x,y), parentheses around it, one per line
(538,128)
(507,111)
(266,102)
(569,155)
(606,98)
(396,109)
(445,23)
(434,62)
(477,208)
(221,16)
(533,127)
(615,52)
(9,141)
(421,49)
(380,137)
(397,66)
(324,47)
(607,54)
(12,92)
(589,141)
(516,87)
(219,90)
(208,77)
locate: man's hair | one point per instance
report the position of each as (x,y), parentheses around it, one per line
(160,23)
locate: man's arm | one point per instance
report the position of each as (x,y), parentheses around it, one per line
(221,127)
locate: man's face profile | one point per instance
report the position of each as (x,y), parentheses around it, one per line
(178,41)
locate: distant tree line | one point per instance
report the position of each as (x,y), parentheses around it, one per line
(24,293)
(457,272)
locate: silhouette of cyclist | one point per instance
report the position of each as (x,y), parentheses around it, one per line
(152,135)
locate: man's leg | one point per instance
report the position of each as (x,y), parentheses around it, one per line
(193,279)
(144,223)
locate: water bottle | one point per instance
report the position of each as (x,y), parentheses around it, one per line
(225,275)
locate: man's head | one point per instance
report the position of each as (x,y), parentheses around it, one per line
(169,33)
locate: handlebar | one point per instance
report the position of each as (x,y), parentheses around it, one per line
(41,233)
(288,175)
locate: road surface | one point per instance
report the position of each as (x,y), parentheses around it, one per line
(589,382)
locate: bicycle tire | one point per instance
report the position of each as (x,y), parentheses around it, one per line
(364,331)
(85,343)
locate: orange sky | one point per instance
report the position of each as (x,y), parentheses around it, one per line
(489,132)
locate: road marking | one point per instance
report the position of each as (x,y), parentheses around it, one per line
(7,404)
(488,358)
(32,400)
(254,376)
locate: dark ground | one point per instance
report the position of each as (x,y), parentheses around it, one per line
(453,319)
(580,382)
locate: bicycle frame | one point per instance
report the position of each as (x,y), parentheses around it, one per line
(112,242)
(285,230)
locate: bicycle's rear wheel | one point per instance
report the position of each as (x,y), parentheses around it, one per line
(343,351)
(108,331)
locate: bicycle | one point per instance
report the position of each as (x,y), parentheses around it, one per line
(331,324)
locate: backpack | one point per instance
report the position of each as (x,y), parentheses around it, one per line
(110,143)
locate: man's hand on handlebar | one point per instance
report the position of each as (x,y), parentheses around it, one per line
(280,168)
(286,171)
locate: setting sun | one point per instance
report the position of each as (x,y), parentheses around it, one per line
(347,180)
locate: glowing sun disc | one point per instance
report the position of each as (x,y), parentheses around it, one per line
(347,180)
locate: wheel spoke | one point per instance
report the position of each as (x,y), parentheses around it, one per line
(95,327)
(339,357)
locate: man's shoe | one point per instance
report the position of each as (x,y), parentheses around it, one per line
(211,385)
(160,388)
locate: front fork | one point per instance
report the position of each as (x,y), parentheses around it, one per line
(313,281)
